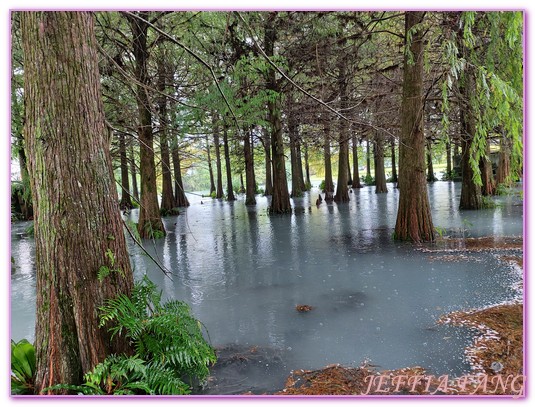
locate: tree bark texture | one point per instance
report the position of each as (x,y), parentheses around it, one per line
(168,198)
(503,172)
(249,171)
(126,201)
(379,161)
(210,168)
(342,190)
(150,221)
(280,200)
(230,188)
(356,177)
(181,201)
(329,183)
(307,169)
(219,172)
(78,227)
(485,167)
(297,171)
(414,215)
(471,197)
(267,152)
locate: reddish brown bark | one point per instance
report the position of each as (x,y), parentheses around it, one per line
(414,216)
(78,228)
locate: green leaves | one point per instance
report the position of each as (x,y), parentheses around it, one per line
(22,367)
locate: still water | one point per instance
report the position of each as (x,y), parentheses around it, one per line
(243,272)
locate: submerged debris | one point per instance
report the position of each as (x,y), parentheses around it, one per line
(303,308)
(473,244)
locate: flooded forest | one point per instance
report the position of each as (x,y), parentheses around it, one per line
(267,203)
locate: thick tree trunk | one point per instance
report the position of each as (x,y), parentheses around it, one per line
(379,161)
(150,222)
(133,173)
(329,184)
(414,215)
(429,157)
(230,188)
(503,172)
(471,197)
(126,202)
(181,200)
(349,174)
(342,190)
(249,171)
(394,166)
(280,201)
(78,227)
(356,177)
(219,190)
(267,152)
(210,169)
(167,205)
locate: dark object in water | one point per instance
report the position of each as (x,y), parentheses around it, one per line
(303,308)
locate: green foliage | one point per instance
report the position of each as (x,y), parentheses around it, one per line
(22,367)
(440,231)
(368,180)
(213,195)
(322,186)
(165,336)
(488,202)
(30,230)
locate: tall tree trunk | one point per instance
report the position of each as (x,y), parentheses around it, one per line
(181,200)
(230,188)
(379,164)
(126,202)
(503,172)
(448,161)
(280,201)
(329,184)
(414,215)
(488,188)
(300,167)
(219,191)
(394,166)
(349,174)
(133,173)
(77,222)
(307,169)
(249,170)
(167,204)
(356,177)
(210,169)
(471,197)
(429,157)
(342,191)
(267,152)
(297,173)
(150,222)
(368,160)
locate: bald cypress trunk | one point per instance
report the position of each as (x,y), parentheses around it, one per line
(126,202)
(356,177)
(342,190)
(150,222)
(280,200)
(414,215)
(78,228)
(230,189)
(379,160)
(219,172)
(249,170)
(181,199)
(329,184)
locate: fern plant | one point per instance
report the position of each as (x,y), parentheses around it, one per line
(166,336)
(170,349)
